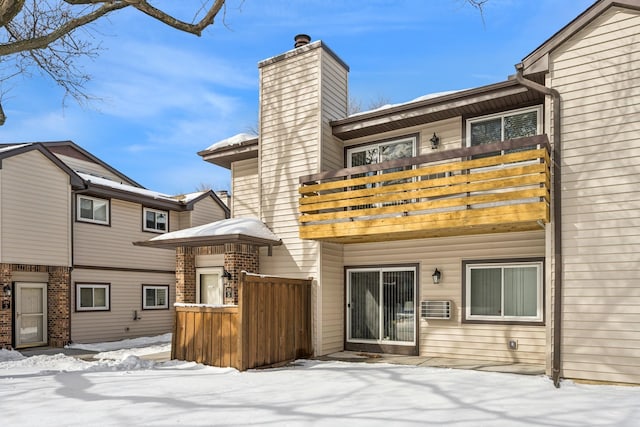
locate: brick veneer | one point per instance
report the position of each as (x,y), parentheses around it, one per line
(185,275)
(58,302)
(237,257)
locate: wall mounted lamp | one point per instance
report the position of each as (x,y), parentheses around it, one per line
(435,141)
(226,274)
(436,276)
(7,290)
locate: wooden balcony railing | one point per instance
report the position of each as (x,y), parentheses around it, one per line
(498,187)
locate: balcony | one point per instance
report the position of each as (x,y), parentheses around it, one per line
(493,188)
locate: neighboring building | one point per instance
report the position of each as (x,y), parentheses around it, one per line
(425,234)
(67,223)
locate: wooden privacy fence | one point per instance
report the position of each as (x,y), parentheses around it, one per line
(271,324)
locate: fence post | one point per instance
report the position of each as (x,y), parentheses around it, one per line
(242,358)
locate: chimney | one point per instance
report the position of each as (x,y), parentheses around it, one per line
(301,40)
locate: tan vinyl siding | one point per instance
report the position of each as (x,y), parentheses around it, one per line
(125,299)
(91,168)
(245,194)
(452,338)
(210,260)
(206,211)
(289,147)
(330,299)
(36,211)
(298,98)
(596,73)
(449,131)
(111,246)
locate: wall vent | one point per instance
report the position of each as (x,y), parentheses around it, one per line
(435,309)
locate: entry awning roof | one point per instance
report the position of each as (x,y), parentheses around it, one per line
(234,230)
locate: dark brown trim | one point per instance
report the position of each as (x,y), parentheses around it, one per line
(415,136)
(74,179)
(76,286)
(123,269)
(408,350)
(55,148)
(86,221)
(502,261)
(144,220)
(207,241)
(101,191)
(143,285)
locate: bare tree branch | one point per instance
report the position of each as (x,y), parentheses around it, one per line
(41,34)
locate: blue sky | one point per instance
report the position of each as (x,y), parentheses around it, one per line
(162,95)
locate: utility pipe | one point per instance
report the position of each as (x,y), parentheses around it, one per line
(557,220)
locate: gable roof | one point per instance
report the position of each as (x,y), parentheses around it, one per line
(538,60)
(128,189)
(71,149)
(10,150)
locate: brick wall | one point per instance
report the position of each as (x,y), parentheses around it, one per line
(58,302)
(59,306)
(185,275)
(237,257)
(6,318)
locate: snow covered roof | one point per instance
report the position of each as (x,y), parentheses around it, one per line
(232,141)
(105,182)
(420,98)
(232,230)
(12,147)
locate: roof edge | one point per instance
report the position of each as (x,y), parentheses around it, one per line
(577,24)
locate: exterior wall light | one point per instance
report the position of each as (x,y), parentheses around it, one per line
(226,274)
(436,276)
(7,290)
(435,141)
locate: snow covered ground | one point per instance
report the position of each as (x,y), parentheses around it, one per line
(121,389)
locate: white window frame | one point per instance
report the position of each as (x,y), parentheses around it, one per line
(502,115)
(79,216)
(156,306)
(538,318)
(155,211)
(105,286)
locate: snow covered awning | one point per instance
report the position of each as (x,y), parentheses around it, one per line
(234,230)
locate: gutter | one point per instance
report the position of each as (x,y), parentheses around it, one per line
(557,221)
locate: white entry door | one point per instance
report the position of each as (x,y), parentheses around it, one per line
(209,286)
(31,314)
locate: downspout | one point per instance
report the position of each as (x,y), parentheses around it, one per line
(557,220)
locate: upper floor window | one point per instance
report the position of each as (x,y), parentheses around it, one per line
(381,152)
(503,291)
(155,220)
(504,126)
(91,209)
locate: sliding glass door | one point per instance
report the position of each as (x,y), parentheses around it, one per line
(380,305)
